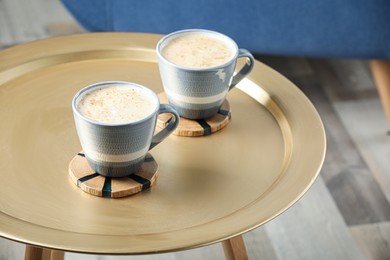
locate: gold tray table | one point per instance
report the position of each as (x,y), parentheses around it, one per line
(209,189)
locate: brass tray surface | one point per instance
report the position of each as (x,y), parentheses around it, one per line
(209,188)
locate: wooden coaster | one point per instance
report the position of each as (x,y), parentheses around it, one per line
(93,183)
(197,127)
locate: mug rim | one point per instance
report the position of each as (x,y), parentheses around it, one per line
(107,83)
(220,66)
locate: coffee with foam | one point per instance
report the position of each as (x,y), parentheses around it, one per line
(197,50)
(116,104)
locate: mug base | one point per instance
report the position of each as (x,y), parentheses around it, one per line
(195,114)
(197,127)
(88,180)
(116,172)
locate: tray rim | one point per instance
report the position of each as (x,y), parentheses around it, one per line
(28,63)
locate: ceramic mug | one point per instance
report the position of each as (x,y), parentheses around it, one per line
(197,88)
(115,130)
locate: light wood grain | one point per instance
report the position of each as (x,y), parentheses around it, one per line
(79,169)
(381,72)
(33,253)
(235,249)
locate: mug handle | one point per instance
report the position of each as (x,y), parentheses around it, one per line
(171,125)
(246,69)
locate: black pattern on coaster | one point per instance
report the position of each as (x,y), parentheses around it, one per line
(223,112)
(145,182)
(93,183)
(81,154)
(87,177)
(106,191)
(206,127)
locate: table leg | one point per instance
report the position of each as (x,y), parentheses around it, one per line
(57,255)
(234,248)
(33,253)
(381,74)
(37,253)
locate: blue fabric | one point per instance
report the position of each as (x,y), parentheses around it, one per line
(330,28)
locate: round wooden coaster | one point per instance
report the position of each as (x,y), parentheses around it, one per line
(93,183)
(197,127)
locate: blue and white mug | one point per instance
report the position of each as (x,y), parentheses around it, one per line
(113,147)
(198,92)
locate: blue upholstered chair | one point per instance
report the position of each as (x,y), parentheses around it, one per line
(333,28)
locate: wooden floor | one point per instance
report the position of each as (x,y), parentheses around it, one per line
(345,215)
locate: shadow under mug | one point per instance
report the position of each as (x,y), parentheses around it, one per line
(118,150)
(198,93)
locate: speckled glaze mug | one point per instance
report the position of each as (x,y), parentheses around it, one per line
(196,92)
(118,149)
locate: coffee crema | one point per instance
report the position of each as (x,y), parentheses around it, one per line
(197,50)
(115,104)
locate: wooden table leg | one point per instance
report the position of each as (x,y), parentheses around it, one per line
(57,255)
(37,253)
(234,248)
(381,73)
(33,253)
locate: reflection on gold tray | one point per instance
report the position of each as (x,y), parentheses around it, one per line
(209,188)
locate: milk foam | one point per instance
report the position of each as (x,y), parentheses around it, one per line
(116,104)
(198,50)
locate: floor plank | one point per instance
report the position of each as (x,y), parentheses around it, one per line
(356,192)
(23,20)
(312,229)
(11,250)
(364,124)
(354,78)
(374,240)
(259,245)
(372,140)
